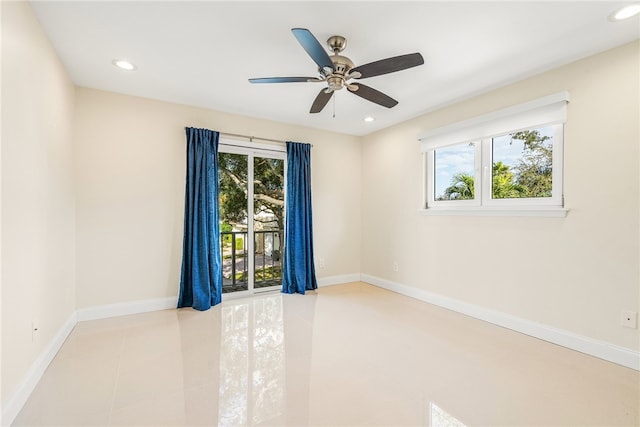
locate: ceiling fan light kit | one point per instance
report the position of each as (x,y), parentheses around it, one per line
(337,70)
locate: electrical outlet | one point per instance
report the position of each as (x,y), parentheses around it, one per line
(629,319)
(395,266)
(34,329)
(320,262)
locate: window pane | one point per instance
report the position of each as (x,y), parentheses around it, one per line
(268,220)
(232,199)
(522,164)
(454,172)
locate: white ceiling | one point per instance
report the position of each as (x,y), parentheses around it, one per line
(202,53)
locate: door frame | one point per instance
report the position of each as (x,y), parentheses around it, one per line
(252,150)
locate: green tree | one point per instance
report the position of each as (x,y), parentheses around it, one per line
(534,170)
(462,185)
(503,185)
(267,186)
(531,177)
(461,188)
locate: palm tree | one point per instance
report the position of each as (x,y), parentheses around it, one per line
(502,185)
(461,188)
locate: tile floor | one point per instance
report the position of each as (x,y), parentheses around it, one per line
(347,355)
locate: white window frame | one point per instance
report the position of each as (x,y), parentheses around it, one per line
(556,178)
(430,183)
(543,112)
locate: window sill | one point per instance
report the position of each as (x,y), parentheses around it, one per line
(546,211)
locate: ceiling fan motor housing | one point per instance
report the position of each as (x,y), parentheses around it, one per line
(341,64)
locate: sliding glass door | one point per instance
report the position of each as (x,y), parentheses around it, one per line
(251,217)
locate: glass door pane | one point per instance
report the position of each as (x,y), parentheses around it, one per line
(234,227)
(268,221)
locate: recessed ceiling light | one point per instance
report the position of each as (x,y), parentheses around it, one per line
(626,12)
(368,119)
(124,65)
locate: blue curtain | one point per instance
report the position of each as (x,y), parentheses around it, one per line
(201,278)
(298,270)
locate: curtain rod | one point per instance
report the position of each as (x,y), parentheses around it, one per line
(251,138)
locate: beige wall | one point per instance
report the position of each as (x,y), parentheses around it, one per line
(130,172)
(575,273)
(38,219)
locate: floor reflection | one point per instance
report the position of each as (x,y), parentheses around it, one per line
(355,355)
(438,417)
(252,362)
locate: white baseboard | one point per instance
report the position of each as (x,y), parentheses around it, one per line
(125,308)
(601,349)
(338,280)
(15,403)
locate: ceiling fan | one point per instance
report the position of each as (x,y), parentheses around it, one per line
(338,70)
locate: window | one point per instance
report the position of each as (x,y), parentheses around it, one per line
(507,162)
(455,174)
